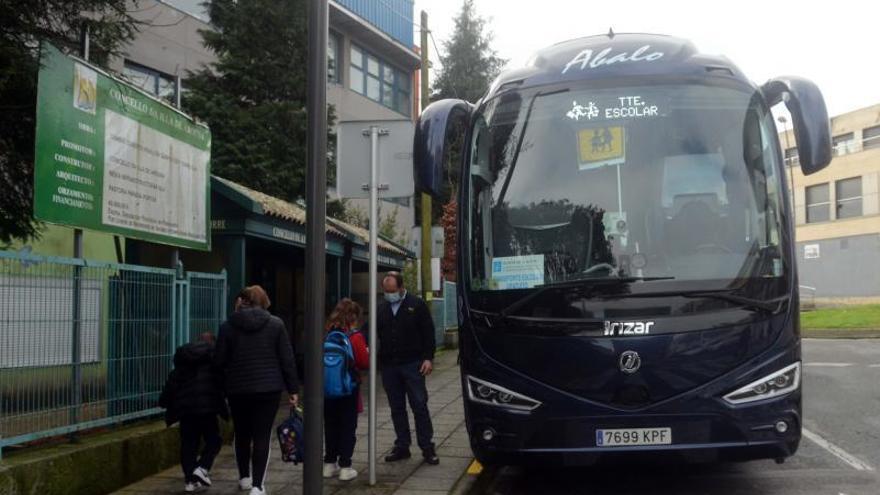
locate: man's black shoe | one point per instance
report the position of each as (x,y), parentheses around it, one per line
(431,456)
(397,454)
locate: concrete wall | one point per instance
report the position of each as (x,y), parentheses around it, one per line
(845,267)
(169,41)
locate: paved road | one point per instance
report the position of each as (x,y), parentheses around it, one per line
(840,456)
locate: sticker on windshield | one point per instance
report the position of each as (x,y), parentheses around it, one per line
(589,111)
(631,107)
(601,147)
(517,272)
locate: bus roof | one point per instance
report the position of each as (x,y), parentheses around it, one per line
(615,55)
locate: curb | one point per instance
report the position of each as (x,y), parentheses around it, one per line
(840,333)
(478,483)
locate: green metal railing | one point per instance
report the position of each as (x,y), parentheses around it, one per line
(86,344)
(444,312)
(205,304)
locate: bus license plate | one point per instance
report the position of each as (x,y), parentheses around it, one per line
(633,436)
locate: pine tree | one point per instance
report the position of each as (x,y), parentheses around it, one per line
(254,96)
(23,26)
(469,65)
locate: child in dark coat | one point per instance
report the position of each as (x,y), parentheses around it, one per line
(193,395)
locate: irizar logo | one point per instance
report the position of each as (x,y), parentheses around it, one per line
(613,328)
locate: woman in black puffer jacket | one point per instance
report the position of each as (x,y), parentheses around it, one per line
(256,359)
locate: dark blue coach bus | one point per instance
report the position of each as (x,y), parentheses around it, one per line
(626,254)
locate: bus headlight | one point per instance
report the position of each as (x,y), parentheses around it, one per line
(775,384)
(488,393)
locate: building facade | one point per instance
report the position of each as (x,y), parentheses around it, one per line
(837,211)
(372,76)
(370,68)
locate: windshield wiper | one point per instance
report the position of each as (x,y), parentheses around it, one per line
(770,306)
(575,283)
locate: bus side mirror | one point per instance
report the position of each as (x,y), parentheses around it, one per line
(429,142)
(812,129)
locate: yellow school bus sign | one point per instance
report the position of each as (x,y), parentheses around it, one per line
(600,147)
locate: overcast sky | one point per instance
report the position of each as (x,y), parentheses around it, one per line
(835,44)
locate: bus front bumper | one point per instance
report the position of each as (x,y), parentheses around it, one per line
(740,434)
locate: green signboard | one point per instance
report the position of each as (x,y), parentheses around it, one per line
(114,159)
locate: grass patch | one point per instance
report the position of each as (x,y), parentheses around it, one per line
(864,316)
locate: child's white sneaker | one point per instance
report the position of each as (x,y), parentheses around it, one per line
(347,474)
(330,469)
(245,483)
(202,475)
(257,491)
(192,487)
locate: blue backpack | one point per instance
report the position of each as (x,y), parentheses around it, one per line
(338,364)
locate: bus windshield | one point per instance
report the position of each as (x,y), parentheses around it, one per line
(679,182)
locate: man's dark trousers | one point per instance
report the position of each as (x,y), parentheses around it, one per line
(402,381)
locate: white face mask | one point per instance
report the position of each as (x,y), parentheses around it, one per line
(392,297)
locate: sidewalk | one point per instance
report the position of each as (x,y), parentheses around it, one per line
(403,478)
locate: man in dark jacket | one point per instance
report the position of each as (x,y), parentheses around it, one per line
(406,352)
(193,396)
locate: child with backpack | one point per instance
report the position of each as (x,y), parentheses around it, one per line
(193,396)
(345,356)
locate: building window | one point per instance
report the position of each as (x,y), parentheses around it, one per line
(844,143)
(333,57)
(871,137)
(849,197)
(791,156)
(402,201)
(356,71)
(151,81)
(379,81)
(818,203)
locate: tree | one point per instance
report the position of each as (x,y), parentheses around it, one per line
(469,66)
(254,96)
(23,26)
(469,63)
(450,238)
(388,226)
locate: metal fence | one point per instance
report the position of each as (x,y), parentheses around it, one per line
(444,311)
(85,344)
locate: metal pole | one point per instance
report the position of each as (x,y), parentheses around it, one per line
(426,198)
(316,203)
(76,330)
(177,88)
(85,43)
(175,254)
(374,269)
(619,193)
(791,191)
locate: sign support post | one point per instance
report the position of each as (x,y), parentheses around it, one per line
(356,178)
(374,269)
